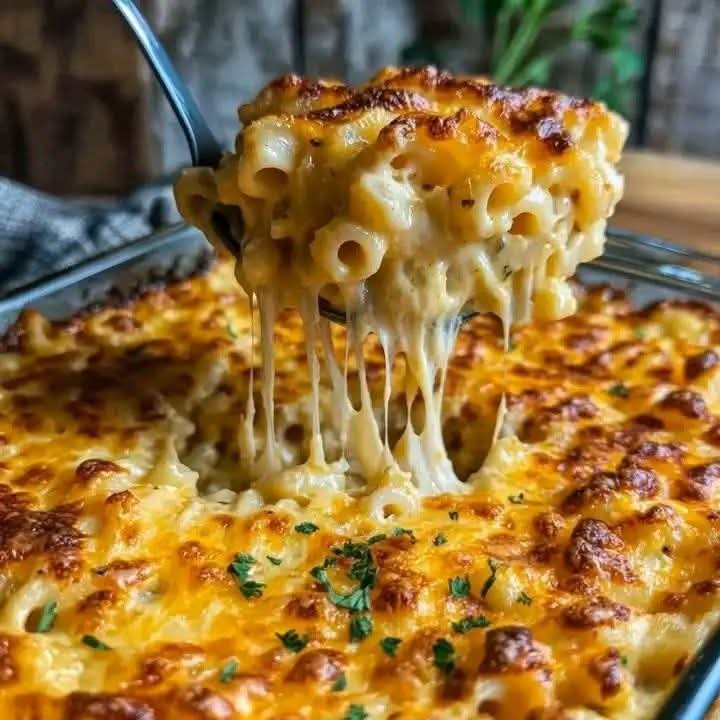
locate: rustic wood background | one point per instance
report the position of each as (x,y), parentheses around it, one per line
(79,112)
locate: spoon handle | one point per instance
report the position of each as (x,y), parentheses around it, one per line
(204,147)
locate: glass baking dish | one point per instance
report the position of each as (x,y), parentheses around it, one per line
(646,268)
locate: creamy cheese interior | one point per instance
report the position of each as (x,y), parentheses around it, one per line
(406,203)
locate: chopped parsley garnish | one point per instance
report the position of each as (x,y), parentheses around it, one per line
(470,623)
(439,539)
(240,568)
(399,532)
(624,660)
(444,655)
(274,560)
(356,600)
(292,641)
(47,617)
(251,588)
(362,569)
(360,627)
(306,528)
(230,330)
(524,599)
(227,671)
(459,586)
(328,562)
(493,565)
(94,643)
(377,538)
(517,499)
(356,712)
(619,390)
(390,645)
(340,683)
(454,514)
(241,565)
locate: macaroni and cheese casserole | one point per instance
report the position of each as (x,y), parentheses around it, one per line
(215,504)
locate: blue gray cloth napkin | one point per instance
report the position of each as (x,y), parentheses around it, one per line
(41,234)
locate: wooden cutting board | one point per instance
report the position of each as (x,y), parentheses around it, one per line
(671,197)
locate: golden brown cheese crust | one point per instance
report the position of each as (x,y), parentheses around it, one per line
(432,97)
(579,574)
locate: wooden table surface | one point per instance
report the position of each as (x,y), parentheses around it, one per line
(671,197)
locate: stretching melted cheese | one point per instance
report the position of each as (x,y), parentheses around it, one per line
(405,202)
(572,579)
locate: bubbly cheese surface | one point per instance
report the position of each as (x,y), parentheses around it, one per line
(144,576)
(405,202)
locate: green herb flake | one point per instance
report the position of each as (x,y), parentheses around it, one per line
(292,641)
(355,712)
(340,683)
(306,528)
(320,574)
(454,514)
(377,538)
(362,569)
(390,645)
(517,499)
(251,589)
(230,330)
(360,627)
(439,539)
(94,643)
(493,565)
(619,390)
(399,532)
(459,586)
(444,655)
(47,617)
(469,623)
(241,565)
(363,566)
(356,601)
(524,599)
(227,671)
(240,568)
(274,560)
(624,660)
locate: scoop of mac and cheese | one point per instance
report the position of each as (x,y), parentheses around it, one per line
(407,202)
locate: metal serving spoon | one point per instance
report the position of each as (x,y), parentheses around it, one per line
(205,150)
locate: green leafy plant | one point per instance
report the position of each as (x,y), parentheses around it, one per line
(522,40)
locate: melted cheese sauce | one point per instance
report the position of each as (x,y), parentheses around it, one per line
(406,203)
(574,576)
